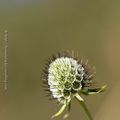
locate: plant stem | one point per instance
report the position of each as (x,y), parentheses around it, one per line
(81,101)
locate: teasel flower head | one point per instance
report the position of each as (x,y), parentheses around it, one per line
(67,77)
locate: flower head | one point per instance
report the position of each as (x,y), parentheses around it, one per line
(67,77)
(64,76)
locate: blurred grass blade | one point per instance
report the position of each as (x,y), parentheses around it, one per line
(81,101)
(60,111)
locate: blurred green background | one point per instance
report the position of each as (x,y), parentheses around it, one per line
(39,28)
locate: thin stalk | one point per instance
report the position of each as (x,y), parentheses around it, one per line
(81,101)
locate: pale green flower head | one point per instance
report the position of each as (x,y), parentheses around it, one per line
(64,78)
(67,77)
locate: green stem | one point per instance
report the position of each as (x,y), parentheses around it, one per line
(81,101)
